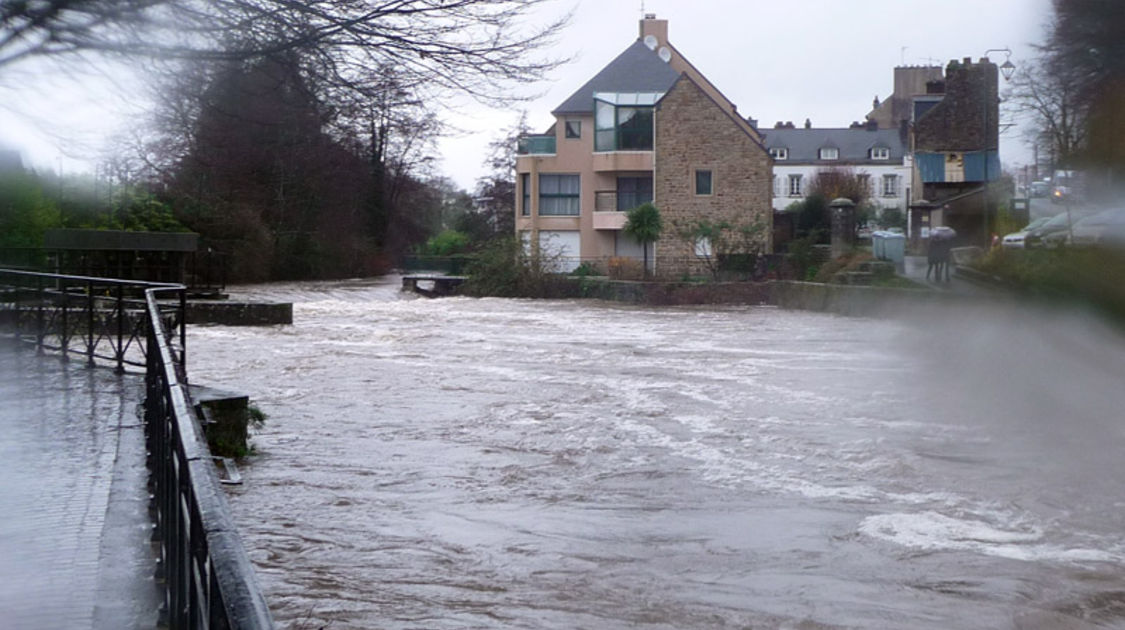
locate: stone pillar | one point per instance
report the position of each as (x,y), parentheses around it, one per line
(843,226)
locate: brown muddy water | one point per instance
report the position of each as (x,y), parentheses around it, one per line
(463,463)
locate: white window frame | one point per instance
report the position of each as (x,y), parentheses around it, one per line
(796,185)
(890,185)
(779,153)
(829,153)
(867,182)
(880,153)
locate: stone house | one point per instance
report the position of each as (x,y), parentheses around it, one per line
(648,127)
(955,141)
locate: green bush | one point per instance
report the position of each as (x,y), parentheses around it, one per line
(447,243)
(586,269)
(25,211)
(1093,276)
(892,218)
(505,269)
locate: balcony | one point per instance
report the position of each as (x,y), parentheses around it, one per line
(609,220)
(535,145)
(623,161)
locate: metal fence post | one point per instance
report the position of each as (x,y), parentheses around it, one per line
(90,323)
(39,324)
(64,333)
(183,332)
(120,329)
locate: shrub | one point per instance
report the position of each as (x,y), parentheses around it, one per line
(505,269)
(447,243)
(587,268)
(892,218)
(1092,276)
(621,268)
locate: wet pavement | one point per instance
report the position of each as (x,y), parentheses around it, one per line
(74,537)
(915,269)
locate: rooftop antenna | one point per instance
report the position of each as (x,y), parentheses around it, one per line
(902,52)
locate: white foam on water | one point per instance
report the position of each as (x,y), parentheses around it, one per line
(933,531)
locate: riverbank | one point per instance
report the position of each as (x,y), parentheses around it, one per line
(841,299)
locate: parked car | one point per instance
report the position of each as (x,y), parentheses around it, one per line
(1102,229)
(1015,240)
(1039,189)
(1048,234)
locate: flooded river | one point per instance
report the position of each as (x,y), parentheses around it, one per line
(462,463)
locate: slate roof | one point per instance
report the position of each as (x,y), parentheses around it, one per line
(854,144)
(638,69)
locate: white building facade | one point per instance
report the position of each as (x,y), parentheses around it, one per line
(877,156)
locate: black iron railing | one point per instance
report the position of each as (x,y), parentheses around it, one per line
(209,581)
(98,319)
(207,576)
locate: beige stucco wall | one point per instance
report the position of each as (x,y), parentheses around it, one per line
(597,172)
(694,132)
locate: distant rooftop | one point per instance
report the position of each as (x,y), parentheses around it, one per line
(854,143)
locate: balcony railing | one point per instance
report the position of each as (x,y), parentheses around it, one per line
(535,145)
(605,201)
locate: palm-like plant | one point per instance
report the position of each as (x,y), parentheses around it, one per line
(644,225)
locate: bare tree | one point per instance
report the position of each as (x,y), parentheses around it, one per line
(497,190)
(1051,101)
(1075,90)
(840,181)
(472,46)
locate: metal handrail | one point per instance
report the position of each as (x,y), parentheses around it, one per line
(207,576)
(208,579)
(81,315)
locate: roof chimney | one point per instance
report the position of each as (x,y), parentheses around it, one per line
(808,123)
(657,28)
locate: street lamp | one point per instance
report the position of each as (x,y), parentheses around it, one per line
(1007,69)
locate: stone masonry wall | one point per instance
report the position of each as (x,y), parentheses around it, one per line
(693,132)
(958,122)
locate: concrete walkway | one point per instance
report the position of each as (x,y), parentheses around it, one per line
(74,531)
(915,269)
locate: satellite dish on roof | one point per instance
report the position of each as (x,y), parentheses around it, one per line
(650,41)
(664,54)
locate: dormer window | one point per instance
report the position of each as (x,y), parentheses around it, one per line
(779,153)
(829,153)
(880,153)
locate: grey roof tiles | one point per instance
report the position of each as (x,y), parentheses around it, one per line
(637,69)
(854,144)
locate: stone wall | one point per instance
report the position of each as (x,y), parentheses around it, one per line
(693,132)
(239,313)
(958,122)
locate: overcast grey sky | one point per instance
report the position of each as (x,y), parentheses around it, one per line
(777,60)
(785,60)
